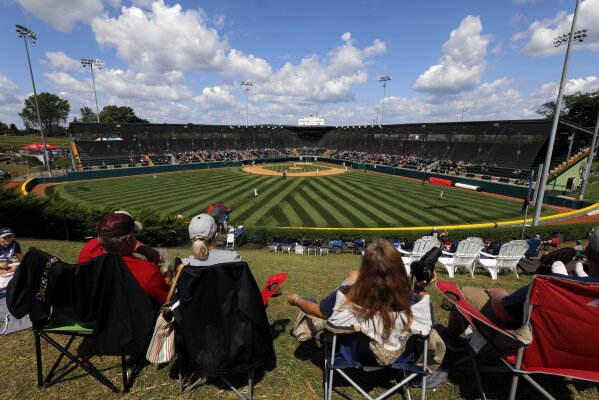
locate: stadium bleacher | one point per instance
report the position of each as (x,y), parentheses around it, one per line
(498,149)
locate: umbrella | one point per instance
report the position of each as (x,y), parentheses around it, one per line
(39,146)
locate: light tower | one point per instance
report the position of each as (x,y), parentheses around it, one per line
(384,80)
(576,35)
(247,85)
(29,34)
(98,64)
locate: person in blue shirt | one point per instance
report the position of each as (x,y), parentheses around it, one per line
(10,250)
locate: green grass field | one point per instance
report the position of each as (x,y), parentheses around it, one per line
(298,375)
(350,199)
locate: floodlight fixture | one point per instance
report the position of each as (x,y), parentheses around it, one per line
(463,109)
(26,33)
(384,80)
(98,64)
(579,35)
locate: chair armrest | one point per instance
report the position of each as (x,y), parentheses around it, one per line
(447,253)
(487,255)
(404,252)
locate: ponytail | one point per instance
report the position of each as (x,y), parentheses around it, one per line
(199,249)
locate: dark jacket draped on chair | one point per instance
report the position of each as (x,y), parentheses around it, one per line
(221,324)
(102,291)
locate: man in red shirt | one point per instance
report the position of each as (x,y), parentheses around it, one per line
(116,234)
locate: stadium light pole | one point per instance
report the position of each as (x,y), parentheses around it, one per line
(463,109)
(246,85)
(98,64)
(29,34)
(384,80)
(576,35)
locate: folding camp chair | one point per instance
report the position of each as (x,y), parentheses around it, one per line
(465,256)
(61,325)
(562,313)
(508,258)
(421,246)
(221,325)
(117,324)
(359,246)
(272,285)
(350,350)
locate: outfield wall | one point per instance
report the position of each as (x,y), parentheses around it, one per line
(486,186)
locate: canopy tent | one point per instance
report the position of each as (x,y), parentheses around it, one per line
(39,146)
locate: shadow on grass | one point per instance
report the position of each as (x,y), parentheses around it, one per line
(279,326)
(497,384)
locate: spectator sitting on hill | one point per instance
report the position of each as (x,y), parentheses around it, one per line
(378,298)
(92,248)
(116,234)
(202,232)
(501,307)
(579,248)
(9,250)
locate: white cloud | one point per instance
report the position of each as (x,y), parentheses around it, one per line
(10,103)
(463,61)
(219,21)
(68,84)
(540,33)
(64,14)
(215,97)
(163,38)
(59,60)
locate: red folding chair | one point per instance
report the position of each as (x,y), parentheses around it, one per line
(563,313)
(272,285)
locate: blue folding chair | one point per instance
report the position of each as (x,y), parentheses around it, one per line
(351,350)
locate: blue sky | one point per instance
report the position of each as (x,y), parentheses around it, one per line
(184,61)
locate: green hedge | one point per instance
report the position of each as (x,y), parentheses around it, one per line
(571,232)
(55,218)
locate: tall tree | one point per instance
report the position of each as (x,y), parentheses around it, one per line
(580,108)
(87,115)
(4,130)
(123,114)
(53,111)
(14,130)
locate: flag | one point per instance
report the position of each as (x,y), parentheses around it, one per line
(528,195)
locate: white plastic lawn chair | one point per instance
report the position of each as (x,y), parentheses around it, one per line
(508,258)
(421,246)
(464,257)
(299,249)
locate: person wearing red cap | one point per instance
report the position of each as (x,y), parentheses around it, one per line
(92,248)
(116,234)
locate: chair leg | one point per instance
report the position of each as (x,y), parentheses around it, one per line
(38,358)
(251,385)
(479,383)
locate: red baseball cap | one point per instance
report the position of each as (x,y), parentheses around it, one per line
(116,224)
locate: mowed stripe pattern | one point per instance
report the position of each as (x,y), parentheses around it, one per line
(352,199)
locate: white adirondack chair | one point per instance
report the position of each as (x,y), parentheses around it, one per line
(464,257)
(299,249)
(421,246)
(508,258)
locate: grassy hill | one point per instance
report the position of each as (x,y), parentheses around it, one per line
(298,375)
